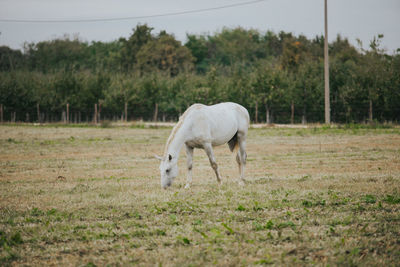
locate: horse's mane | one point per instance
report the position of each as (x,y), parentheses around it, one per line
(179,124)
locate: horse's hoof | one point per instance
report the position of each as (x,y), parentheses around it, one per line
(241,183)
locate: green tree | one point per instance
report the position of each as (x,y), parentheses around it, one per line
(199,49)
(271,86)
(11,59)
(122,95)
(237,45)
(164,54)
(308,94)
(105,56)
(58,54)
(371,75)
(130,48)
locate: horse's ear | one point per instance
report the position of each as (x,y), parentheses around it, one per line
(169,157)
(158,157)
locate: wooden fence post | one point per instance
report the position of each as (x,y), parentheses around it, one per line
(292,114)
(303,119)
(38,112)
(1,113)
(126,111)
(67,112)
(99,113)
(256,121)
(95,114)
(370,111)
(63,117)
(155,113)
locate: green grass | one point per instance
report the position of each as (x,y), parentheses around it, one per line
(92,197)
(347,129)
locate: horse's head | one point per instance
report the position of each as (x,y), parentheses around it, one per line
(168,170)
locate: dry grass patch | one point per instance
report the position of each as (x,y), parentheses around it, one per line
(92,196)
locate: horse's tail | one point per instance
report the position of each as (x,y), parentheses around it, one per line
(233,144)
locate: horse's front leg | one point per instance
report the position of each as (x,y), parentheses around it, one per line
(189,161)
(210,153)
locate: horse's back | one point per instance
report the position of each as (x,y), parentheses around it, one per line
(218,123)
(227,112)
(235,112)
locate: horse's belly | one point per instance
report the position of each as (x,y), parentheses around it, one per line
(221,141)
(215,137)
(223,132)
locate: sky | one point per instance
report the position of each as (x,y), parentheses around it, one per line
(352,19)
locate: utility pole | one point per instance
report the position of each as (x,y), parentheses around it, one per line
(326,64)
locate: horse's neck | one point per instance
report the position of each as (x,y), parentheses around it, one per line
(176,141)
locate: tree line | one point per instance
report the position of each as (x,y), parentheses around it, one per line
(278,77)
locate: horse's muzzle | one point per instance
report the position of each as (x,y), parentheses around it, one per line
(165,186)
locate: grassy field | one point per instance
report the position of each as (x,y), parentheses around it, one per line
(91,196)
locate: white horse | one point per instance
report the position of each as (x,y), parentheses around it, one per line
(203,126)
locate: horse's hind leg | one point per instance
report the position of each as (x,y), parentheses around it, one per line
(210,153)
(241,156)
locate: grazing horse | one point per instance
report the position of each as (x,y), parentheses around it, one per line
(202,126)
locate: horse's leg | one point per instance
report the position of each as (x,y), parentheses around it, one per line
(189,156)
(241,157)
(240,180)
(210,153)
